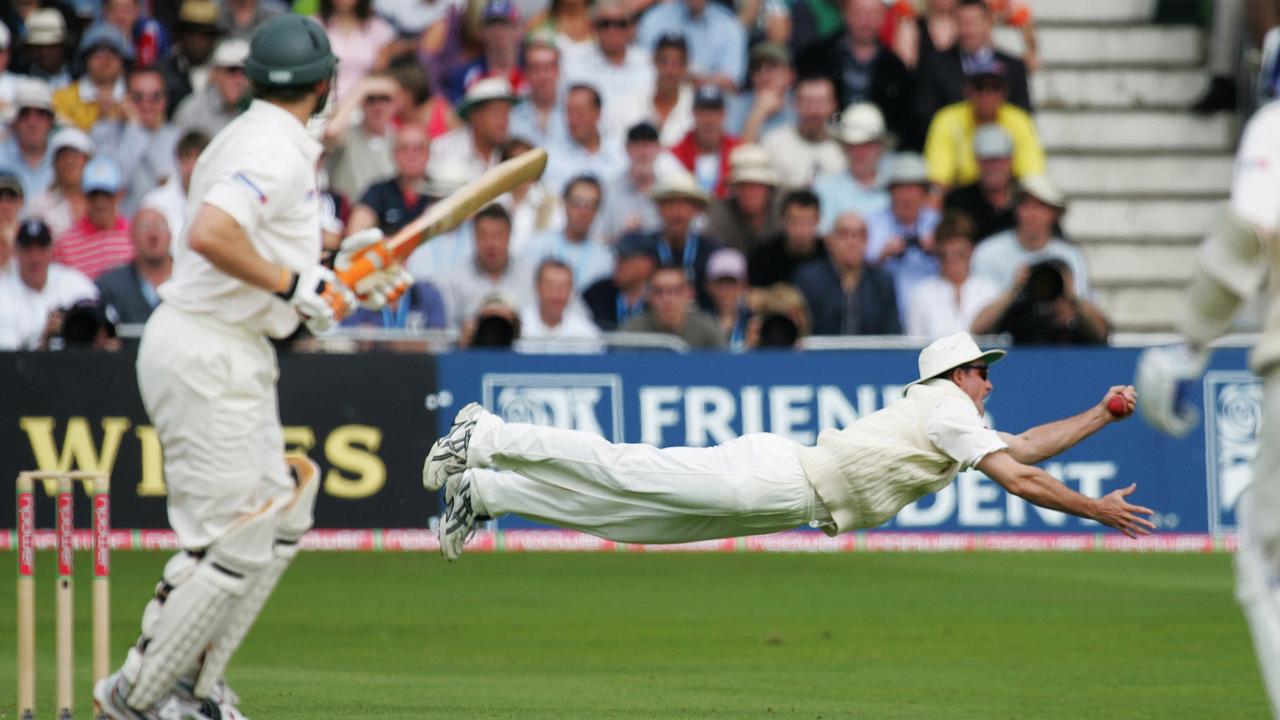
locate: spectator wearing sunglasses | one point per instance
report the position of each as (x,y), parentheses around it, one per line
(141,140)
(948,148)
(622,72)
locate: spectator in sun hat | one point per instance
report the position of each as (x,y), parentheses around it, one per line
(36,290)
(1003,257)
(860,188)
(486,113)
(63,202)
(186,70)
(100,92)
(100,240)
(45,48)
(746,218)
(219,103)
(26,151)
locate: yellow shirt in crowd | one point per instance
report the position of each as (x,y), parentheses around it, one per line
(948,149)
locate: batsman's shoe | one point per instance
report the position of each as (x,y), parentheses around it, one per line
(109,694)
(449,454)
(462,510)
(222,699)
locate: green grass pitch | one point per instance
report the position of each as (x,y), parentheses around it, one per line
(933,636)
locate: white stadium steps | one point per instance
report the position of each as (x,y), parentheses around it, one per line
(1138,221)
(1106,88)
(1112,264)
(1120,175)
(1110,46)
(1145,178)
(1134,131)
(1134,308)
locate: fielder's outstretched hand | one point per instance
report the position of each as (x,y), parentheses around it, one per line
(1114,511)
(1120,401)
(378,289)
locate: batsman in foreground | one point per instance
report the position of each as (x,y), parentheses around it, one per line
(248,269)
(1236,262)
(858,477)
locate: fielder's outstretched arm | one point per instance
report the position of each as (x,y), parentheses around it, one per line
(1044,441)
(1039,487)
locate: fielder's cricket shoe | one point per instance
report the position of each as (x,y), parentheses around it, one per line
(462,510)
(448,455)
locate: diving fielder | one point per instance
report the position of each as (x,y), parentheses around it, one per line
(1236,261)
(858,477)
(248,270)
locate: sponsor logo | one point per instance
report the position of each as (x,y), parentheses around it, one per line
(1233,416)
(588,402)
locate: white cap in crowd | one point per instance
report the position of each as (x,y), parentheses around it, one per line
(1040,188)
(46,27)
(231,53)
(860,123)
(70,137)
(991,142)
(727,263)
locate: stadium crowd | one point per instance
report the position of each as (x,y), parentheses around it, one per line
(737,174)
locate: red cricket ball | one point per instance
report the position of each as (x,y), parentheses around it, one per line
(1118,406)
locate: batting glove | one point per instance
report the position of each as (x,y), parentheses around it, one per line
(319,298)
(1165,380)
(380,288)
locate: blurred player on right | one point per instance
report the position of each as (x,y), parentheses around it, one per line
(1232,267)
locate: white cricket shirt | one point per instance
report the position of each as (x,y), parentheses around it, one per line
(260,170)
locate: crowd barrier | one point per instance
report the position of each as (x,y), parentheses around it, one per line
(368,419)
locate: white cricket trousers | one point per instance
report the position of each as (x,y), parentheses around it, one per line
(640,493)
(1258,559)
(210,389)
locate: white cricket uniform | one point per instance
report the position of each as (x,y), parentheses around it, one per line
(754,484)
(206,369)
(1255,198)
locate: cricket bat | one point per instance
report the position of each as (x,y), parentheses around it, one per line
(445,215)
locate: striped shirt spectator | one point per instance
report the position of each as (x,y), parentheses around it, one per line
(100,240)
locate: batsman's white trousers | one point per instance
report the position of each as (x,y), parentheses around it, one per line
(640,493)
(1258,559)
(210,389)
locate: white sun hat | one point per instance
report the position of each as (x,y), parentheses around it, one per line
(951,352)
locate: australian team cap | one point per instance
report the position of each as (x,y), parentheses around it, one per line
(290,50)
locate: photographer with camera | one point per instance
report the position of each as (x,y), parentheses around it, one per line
(1042,308)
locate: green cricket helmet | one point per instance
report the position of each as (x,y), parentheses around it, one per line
(290,50)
